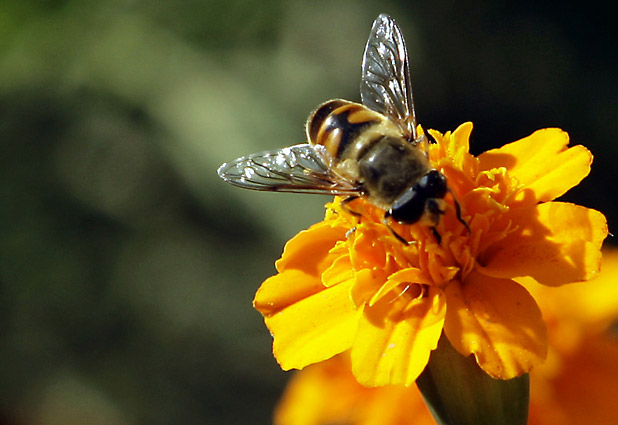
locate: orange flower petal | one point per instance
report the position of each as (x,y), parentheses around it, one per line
(368,281)
(594,303)
(499,322)
(556,243)
(542,162)
(458,144)
(339,271)
(300,267)
(328,393)
(315,328)
(284,289)
(395,350)
(410,275)
(308,250)
(585,387)
(396,405)
(324,393)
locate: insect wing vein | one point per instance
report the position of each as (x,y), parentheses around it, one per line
(298,168)
(385,80)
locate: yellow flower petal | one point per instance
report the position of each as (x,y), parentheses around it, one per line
(368,251)
(594,303)
(395,349)
(304,259)
(410,275)
(542,162)
(348,283)
(339,271)
(584,387)
(315,328)
(324,393)
(275,293)
(308,250)
(328,393)
(459,141)
(499,322)
(367,282)
(556,243)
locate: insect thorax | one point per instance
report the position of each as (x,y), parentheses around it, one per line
(389,167)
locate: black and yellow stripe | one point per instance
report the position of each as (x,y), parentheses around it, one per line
(337,125)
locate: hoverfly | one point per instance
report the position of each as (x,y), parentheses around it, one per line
(369,149)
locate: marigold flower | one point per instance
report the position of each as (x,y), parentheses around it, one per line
(347,283)
(576,386)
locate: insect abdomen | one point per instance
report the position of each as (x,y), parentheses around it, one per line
(337,124)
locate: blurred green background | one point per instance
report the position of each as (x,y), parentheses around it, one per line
(127,268)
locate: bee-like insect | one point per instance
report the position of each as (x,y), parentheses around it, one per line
(370,149)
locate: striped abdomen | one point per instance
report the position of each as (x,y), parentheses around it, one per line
(343,128)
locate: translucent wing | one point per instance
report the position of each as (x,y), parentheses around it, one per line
(298,168)
(385,80)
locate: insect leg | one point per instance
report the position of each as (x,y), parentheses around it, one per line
(436,234)
(458,213)
(433,213)
(397,235)
(346,201)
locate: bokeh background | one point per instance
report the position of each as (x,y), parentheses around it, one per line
(127,268)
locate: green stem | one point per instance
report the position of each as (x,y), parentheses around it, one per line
(458,392)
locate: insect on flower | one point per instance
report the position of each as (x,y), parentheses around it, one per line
(370,150)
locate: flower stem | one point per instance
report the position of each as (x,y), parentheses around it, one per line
(458,392)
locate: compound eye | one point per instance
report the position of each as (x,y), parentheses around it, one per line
(409,207)
(433,185)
